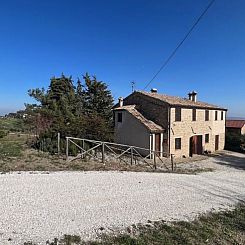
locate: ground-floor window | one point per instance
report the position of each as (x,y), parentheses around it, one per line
(206,138)
(177,143)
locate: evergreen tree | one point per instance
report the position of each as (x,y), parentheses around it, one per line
(81,111)
(98,97)
(80,99)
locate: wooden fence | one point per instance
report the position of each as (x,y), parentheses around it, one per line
(124,153)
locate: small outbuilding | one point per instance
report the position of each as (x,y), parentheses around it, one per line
(235,127)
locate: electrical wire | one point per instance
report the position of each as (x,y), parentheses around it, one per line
(180,43)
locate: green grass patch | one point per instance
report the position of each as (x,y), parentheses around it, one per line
(12,124)
(11,146)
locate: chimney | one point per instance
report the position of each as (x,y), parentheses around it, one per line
(120,101)
(193,96)
(153,90)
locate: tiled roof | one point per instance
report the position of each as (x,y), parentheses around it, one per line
(151,126)
(235,123)
(177,101)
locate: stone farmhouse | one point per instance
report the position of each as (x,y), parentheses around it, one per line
(168,124)
(236,127)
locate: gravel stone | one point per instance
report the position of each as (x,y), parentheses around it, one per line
(39,206)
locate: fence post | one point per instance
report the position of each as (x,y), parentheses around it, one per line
(132,155)
(67,148)
(154,158)
(172,161)
(58,143)
(103,152)
(82,156)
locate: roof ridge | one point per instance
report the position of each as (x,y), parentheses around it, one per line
(176,100)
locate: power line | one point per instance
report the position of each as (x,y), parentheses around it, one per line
(180,44)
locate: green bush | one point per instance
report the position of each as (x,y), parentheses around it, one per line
(2,134)
(233,142)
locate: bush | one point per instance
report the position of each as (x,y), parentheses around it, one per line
(233,142)
(2,134)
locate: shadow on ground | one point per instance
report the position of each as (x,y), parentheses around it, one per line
(234,160)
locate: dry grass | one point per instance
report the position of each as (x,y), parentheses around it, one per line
(15,155)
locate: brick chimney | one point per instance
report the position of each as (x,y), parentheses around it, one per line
(193,96)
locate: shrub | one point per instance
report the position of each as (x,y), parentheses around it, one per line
(2,134)
(233,142)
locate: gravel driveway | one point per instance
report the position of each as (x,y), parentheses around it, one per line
(41,206)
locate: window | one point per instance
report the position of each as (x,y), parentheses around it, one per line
(177,143)
(194,114)
(222,115)
(119,116)
(216,115)
(177,114)
(206,115)
(206,138)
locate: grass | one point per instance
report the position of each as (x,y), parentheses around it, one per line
(15,155)
(11,146)
(226,227)
(12,124)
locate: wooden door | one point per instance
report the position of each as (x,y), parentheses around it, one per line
(196,145)
(158,144)
(216,142)
(199,148)
(191,147)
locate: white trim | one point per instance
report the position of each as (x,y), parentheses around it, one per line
(154,143)
(161,146)
(150,145)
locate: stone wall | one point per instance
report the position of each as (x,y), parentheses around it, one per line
(156,111)
(243,130)
(187,128)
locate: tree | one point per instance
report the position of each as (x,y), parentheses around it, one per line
(98,98)
(80,98)
(81,111)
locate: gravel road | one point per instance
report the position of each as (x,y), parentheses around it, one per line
(40,206)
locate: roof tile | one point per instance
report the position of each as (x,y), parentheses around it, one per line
(235,123)
(177,101)
(153,127)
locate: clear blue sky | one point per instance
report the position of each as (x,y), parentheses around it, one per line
(122,41)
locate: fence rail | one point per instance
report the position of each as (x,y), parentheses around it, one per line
(128,154)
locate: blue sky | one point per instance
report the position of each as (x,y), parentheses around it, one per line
(124,41)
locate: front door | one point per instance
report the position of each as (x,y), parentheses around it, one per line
(196,145)
(216,142)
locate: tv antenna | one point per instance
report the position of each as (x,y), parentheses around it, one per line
(132,85)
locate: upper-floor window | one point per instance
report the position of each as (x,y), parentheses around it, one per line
(222,115)
(178,114)
(119,116)
(177,143)
(206,115)
(194,114)
(216,115)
